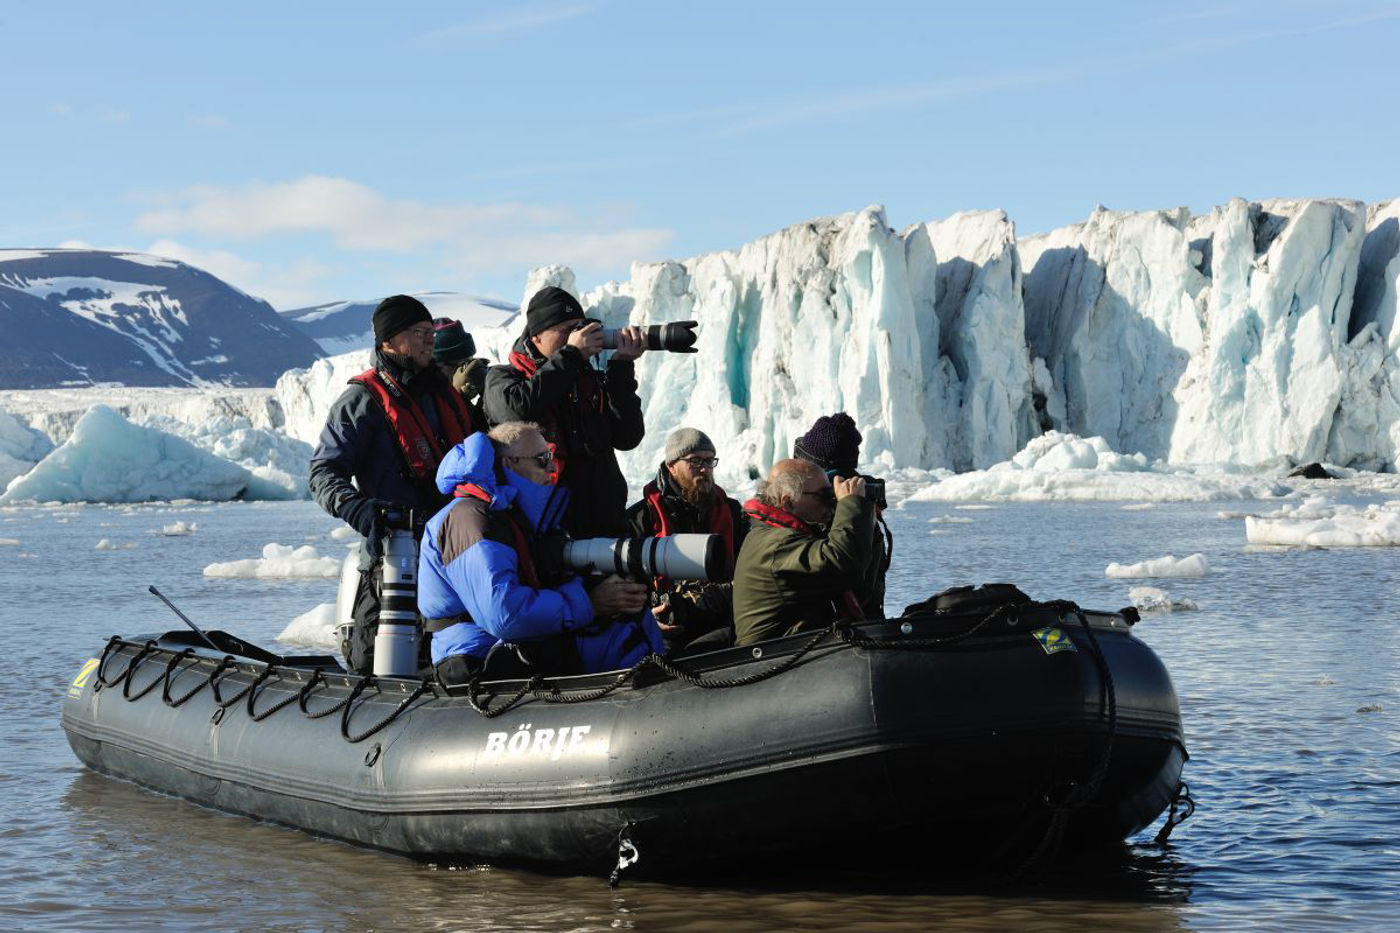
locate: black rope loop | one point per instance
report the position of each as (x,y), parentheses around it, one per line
(424,686)
(218,677)
(253,714)
(1181,797)
(860,640)
(305,695)
(137,660)
(168,679)
(474,691)
(112,644)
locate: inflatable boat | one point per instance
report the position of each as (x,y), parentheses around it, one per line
(972,732)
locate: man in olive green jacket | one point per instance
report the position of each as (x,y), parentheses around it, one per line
(809,545)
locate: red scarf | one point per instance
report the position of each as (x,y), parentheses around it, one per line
(421,450)
(775,517)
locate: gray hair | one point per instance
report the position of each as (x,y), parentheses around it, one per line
(506,433)
(785,481)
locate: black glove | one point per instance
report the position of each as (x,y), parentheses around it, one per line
(363,516)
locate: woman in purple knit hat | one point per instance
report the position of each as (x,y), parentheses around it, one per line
(833,443)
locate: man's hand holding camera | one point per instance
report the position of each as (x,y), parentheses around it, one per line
(849,486)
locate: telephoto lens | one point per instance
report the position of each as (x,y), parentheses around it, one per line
(676,337)
(678,557)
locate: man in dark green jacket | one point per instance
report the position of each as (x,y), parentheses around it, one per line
(808,547)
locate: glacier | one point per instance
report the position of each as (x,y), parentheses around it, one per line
(1135,355)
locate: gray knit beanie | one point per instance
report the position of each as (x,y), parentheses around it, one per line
(683,442)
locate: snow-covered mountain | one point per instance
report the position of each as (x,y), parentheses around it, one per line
(343,326)
(75,317)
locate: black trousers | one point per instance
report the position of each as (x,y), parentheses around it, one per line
(358,644)
(457,669)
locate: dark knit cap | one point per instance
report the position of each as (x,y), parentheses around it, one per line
(397,313)
(451,342)
(833,443)
(548,307)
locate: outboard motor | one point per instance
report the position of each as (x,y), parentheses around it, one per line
(396,641)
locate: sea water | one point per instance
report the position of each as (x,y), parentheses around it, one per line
(1287,677)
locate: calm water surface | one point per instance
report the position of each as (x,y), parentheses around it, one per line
(1287,676)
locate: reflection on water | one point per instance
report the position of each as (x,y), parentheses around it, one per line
(1297,786)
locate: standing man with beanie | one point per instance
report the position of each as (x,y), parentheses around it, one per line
(586,413)
(833,443)
(683,499)
(381,446)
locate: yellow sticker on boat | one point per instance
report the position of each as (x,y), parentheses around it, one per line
(1053,639)
(84,675)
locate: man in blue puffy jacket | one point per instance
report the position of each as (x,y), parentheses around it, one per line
(487,574)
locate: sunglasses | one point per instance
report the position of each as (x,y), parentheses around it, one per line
(542,460)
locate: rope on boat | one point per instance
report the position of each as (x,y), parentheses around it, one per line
(423,687)
(1180,797)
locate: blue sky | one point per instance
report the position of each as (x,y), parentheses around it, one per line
(312,152)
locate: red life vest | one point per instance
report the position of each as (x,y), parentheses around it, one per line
(421,450)
(721,522)
(525,559)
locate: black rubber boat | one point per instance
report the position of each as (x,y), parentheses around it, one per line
(965,733)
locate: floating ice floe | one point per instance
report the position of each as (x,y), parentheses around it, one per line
(1318,523)
(1194,566)
(109,459)
(950,520)
(9,542)
(344,533)
(279,561)
(1152,599)
(1063,466)
(314,629)
(179,528)
(107,544)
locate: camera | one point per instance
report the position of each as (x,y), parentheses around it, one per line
(875,490)
(676,337)
(677,557)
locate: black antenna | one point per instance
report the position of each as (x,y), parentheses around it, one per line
(183,618)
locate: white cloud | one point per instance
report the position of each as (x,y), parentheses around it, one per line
(358,218)
(75,244)
(519,19)
(292,286)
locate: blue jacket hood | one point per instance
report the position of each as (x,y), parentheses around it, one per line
(474,461)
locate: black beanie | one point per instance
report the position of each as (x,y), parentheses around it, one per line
(548,307)
(451,342)
(397,313)
(833,443)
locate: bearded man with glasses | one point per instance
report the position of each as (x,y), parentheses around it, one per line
(809,547)
(683,499)
(383,441)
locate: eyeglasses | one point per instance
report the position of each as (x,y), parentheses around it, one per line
(542,460)
(826,495)
(702,463)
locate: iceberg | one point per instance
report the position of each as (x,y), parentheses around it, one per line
(21,447)
(1152,599)
(1194,566)
(313,629)
(1316,523)
(109,459)
(278,561)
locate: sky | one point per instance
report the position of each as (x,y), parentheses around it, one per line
(314,152)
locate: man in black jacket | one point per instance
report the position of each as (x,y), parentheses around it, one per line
(683,499)
(381,446)
(586,413)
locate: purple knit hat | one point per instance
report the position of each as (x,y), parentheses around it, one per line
(833,443)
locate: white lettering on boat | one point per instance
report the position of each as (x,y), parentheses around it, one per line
(542,743)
